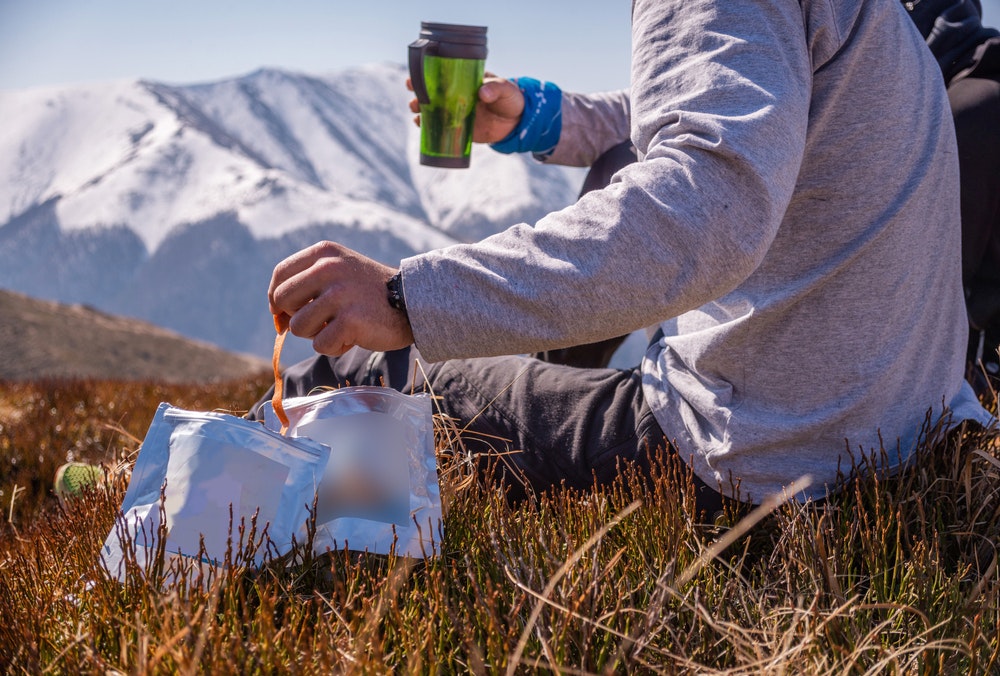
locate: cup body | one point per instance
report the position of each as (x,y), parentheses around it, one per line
(446,68)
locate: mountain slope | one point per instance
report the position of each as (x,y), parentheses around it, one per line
(40,339)
(173,203)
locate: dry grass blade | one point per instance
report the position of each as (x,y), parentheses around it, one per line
(893,574)
(539,596)
(987,457)
(554,580)
(13,499)
(980,587)
(113,427)
(741,528)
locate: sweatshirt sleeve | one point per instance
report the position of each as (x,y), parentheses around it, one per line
(719,108)
(591,124)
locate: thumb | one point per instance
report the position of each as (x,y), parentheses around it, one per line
(490,92)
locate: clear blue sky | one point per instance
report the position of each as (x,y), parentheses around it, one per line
(581,44)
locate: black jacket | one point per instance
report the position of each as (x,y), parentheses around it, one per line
(953,30)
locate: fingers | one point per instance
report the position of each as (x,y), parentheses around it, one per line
(315,315)
(501,104)
(313,288)
(336,338)
(337,298)
(414,104)
(319,302)
(415,108)
(502,97)
(294,281)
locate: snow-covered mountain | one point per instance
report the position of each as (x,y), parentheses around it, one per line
(173,203)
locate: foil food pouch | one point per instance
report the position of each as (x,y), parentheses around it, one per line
(379,488)
(213,472)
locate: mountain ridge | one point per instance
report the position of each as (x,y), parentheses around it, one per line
(152,199)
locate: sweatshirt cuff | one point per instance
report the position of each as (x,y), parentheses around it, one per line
(427,322)
(541,122)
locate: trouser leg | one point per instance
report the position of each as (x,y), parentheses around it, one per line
(975,103)
(538,424)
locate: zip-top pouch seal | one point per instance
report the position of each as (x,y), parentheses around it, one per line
(379,491)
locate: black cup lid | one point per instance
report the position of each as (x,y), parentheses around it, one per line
(453,33)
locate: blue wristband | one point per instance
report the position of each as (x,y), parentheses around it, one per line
(541,122)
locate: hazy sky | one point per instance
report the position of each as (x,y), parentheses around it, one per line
(580,44)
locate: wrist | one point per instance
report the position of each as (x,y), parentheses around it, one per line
(394,292)
(541,122)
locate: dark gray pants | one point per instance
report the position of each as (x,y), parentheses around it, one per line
(538,424)
(975,104)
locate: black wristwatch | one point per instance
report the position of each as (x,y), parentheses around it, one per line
(395,288)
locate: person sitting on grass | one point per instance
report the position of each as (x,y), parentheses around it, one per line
(968,54)
(792,238)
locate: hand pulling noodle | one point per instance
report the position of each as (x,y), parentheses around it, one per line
(281,326)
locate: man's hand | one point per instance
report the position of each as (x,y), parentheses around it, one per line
(338,298)
(497,113)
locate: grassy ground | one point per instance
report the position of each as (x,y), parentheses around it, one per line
(894,576)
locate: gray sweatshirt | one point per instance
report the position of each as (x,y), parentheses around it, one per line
(793,225)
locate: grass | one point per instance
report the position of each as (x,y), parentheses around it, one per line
(893,576)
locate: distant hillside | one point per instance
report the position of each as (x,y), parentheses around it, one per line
(42,339)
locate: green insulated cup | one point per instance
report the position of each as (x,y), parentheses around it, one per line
(446,68)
